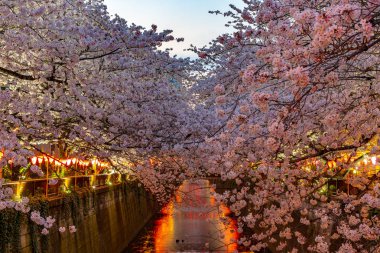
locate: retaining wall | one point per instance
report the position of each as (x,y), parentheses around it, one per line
(107,219)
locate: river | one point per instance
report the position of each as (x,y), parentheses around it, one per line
(192,222)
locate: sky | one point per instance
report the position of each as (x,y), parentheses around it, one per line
(187,18)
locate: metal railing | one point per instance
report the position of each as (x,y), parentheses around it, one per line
(41,186)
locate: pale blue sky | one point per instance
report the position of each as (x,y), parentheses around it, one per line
(188,18)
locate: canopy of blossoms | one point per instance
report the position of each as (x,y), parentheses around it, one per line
(287,107)
(296,91)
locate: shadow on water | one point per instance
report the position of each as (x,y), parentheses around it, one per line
(192,222)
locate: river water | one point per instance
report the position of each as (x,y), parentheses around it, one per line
(192,222)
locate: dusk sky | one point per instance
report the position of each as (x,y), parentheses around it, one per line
(188,18)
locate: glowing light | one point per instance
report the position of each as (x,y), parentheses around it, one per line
(373,160)
(68,162)
(40,159)
(34,160)
(331,164)
(19,190)
(51,160)
(92,180)
(66,183)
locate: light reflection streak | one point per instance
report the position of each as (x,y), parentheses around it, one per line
(164,229)
(192,222)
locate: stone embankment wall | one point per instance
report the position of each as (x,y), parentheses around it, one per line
(107,219)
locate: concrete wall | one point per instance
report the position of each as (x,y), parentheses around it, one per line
(107,220)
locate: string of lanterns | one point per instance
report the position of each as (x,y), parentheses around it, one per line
(39,160)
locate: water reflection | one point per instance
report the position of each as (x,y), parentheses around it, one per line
(191,222)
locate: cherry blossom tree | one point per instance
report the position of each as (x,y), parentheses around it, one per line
(296,89)
(71,74)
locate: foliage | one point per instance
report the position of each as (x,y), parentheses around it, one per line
(10,223)
(39,241)
(71,207)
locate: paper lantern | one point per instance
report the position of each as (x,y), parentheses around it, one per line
(34,160)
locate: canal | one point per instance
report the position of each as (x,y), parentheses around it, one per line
(192,222)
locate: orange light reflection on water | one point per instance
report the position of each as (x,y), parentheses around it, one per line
(170,227)
(164,229)
(231,235)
